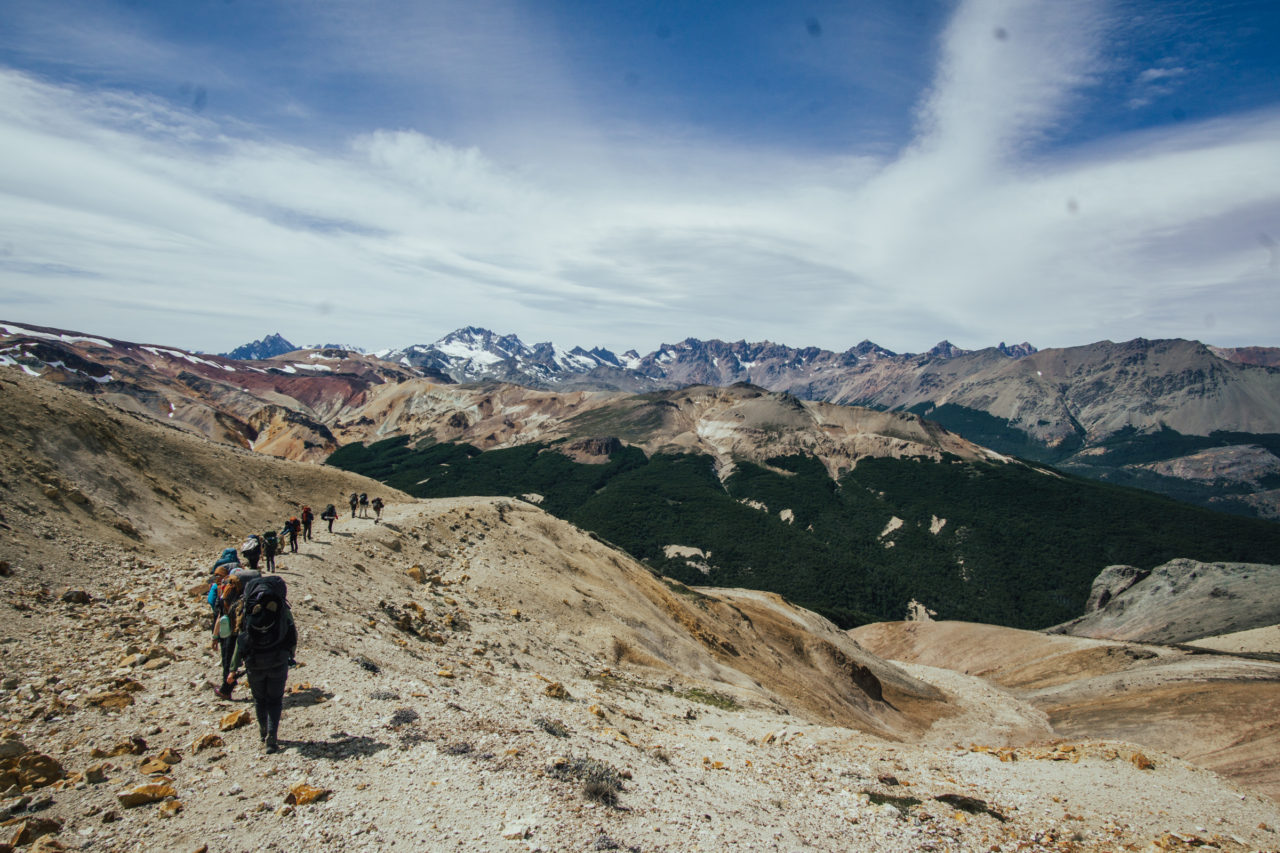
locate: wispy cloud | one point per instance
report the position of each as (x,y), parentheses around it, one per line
(560,228)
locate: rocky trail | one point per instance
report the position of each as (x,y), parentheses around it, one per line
(433,711)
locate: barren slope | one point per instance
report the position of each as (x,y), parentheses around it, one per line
(1216,710)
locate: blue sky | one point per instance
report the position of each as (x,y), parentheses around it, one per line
(630,173)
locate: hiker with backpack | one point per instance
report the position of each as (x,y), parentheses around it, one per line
(354,501)
(251,550)
(224,628)
(265,645)
(270,547)
(330,514)
(229,559)
(292,528)
(364,505)
(307,517)
(219,573)
(376,503)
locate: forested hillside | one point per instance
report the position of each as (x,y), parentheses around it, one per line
(997,543)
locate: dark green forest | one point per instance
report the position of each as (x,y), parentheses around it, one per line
(1020,545)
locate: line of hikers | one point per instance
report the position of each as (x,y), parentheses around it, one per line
(252,623)
(253,626)
(362,502)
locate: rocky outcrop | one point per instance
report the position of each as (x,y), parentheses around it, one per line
(1112,581)
(1179,602)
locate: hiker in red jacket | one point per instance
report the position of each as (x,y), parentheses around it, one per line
(307,517)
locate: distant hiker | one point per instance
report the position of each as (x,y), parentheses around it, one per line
(307,517)
(292,528)
(376,503)
(251,550)
(270,547)
(224,630)
(266,644)
(355,501)
(329,515)
(364,505)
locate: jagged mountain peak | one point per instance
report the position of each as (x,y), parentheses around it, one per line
(1021,350)
(946,349)
(267,347)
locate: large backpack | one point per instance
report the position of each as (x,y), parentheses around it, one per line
(271,539)
(266,621)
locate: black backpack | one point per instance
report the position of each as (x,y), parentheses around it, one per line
(266,623)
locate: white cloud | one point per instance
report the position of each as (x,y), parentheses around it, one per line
(136,220)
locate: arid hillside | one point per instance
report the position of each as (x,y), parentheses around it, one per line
(476,674)
(1217,710)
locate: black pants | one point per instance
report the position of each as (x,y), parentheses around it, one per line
(267,686)
(228,647)
(293,542)
(253,557)
(330,525)
(306,530)
(271,560)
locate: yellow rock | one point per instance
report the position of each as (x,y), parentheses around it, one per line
(556,690)
(302,794)
(111,700)
(417,574)
(170,808)
(235,720)
(209,741)
(143,794)
(445,673)
(153,766)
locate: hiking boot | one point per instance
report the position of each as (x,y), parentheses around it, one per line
(272,745)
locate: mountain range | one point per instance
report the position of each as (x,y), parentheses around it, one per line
(1198,423)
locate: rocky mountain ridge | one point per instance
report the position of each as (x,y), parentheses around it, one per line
(1161,415)
(1104,410)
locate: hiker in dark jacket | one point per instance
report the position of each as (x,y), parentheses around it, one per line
(251,550)
(330,514)
(267,668)
(293,527)
(355,502)
(364,505)
(270,547)
(307,517)
(376,503)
